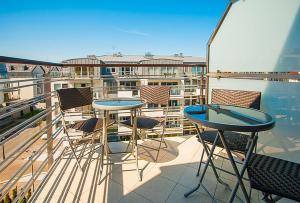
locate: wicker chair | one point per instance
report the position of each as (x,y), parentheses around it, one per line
(274,176)
(78,97)
(237,142)
(152,95)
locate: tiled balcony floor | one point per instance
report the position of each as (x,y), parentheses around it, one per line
(164,181)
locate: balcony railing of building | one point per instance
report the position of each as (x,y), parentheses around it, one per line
(31,136)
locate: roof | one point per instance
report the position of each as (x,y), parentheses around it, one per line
(118,58)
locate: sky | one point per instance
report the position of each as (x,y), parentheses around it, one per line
(62,29)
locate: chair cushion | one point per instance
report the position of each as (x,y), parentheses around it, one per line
(275,176)
(89,125)
(143,122)
(236,141)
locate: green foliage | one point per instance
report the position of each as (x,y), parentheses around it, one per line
(30,114)
(7,198)
(14,193)
(29,194)
(23,200)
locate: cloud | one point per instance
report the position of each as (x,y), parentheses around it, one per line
(133,32)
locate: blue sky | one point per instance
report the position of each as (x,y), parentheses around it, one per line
(57,30)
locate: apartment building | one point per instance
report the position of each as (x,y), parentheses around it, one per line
(124,81)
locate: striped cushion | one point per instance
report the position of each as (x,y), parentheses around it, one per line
(236,141)
(249,99)
(89,125)
(144,122)
(156,94)
(74,97)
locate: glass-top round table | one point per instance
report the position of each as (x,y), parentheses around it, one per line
(117,105)
(229,118)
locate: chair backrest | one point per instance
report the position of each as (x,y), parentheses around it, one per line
(74,97)
(156,94)
(249,99)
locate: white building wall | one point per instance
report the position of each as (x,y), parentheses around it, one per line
(263,36)
(258,35)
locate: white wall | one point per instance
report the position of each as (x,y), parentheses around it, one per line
(263,36)
(258,35)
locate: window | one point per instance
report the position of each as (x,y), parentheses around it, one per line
(126,70)
(26,68)
(113,116)
(57,87)
(173,103)
(172,123)
(77,85)
(152,106)
(112,87)
(170,70)
(84,71)
(174,87)
(163,70)
(152,83)
(111,70)
(39,88)
(154,71)
(64,85)
(78,71)
(187,102)
(129,84)
(12,67)
(135,93)
(124,118)
(196,70)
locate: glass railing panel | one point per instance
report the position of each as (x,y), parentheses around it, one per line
(282,101)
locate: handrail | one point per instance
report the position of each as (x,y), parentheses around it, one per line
(23,107)
(29,122)
(10,158)
(23,169)
(22,102)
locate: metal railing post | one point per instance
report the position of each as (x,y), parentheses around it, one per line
(47,89)
(3,152)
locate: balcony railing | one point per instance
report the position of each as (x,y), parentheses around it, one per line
(29,146)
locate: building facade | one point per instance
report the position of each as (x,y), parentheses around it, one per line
(124,82)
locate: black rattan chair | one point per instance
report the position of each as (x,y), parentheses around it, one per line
(274,176)
(237,142)
(79,97)
(159,95)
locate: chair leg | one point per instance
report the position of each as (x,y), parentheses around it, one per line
(101,154)
(130,140)
(199,168)
(158,150)
(73,151)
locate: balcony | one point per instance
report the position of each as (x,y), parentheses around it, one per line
(249,53)
(36,164)
(35,161)
(163,181)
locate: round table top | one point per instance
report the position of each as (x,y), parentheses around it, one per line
(117,104)
(229,118)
